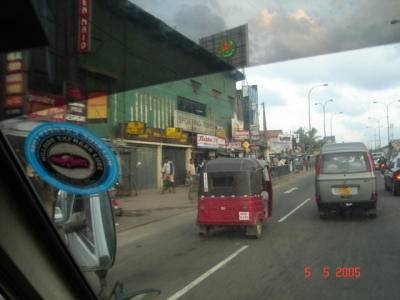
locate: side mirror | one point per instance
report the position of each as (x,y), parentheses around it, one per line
(75,223)
(87,225)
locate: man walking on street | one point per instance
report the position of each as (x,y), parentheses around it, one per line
(167,174)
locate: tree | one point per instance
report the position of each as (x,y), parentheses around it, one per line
(309,139)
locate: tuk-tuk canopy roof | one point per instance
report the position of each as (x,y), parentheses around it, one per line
(232,165)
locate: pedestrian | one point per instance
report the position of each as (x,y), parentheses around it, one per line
(191,171)
(172,174)
(167,172)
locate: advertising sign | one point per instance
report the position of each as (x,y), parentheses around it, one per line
(14,85)
(193,123)
(235,145)
(97,105)
(14,101)
(76,112)
(210,141)
(220,132)
(255,132)
(84,26)
(241,135)
(231,45)
(135,128)
(173,133)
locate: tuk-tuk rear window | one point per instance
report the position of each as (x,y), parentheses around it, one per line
(231,183)
(345,162)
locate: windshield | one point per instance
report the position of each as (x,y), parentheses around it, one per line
(115,108)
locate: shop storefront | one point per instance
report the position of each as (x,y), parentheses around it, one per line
(148,149)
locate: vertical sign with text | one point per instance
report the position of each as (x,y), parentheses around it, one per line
(84,26)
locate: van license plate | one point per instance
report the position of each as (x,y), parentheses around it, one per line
(244,216)
(345,191)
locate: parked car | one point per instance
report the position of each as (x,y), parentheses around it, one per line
(345,179)
(69,161)
(392,176)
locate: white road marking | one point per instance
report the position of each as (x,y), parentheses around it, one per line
(300,205)
(199,279)
(291,190)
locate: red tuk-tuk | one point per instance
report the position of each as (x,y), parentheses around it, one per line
(234,192)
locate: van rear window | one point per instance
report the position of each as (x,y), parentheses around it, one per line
(346,162)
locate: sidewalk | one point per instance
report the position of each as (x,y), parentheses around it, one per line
(151,206)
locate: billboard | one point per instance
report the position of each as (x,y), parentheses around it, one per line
(231,45)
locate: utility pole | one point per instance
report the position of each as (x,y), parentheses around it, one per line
(265,131)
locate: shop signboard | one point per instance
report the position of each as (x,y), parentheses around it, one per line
(97,106)
(45,106)
(235,145)
(173,133)
(84,26)
(14,84)
(76,112)
(255,132)
(210,141)
(135,128)
(241,135)
(220,132)
(193,123)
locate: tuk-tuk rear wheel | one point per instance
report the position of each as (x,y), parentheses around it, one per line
(255,231)
(204,230)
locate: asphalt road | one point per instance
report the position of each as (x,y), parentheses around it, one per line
(170,256)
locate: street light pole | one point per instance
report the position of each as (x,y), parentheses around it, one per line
(323,109)
(374,129)
(379,129)
(309,103)
(334,114)
(387,116)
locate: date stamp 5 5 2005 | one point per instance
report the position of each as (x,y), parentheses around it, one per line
(326,272)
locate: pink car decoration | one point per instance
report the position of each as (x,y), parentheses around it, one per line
(69,161)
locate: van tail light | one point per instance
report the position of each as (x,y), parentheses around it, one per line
(317,198)
(370,165)
(374,196)
(396,176)
(318,164)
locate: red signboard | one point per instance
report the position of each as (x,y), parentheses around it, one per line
(46,106)
(84,26)
(14,101)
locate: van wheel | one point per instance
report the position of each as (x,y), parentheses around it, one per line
(204,231)
(255,231)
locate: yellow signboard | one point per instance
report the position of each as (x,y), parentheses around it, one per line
(173,133)
(220,132)
(135,128)
(246,145)
(184,138)
(97,106)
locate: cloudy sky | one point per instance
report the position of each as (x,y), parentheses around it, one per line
(282,36)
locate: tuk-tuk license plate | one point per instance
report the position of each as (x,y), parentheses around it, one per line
(345,191)
(244,216)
